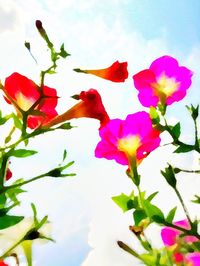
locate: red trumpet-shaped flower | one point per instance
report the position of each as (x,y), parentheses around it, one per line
(117,72)
(26,96)
(90,106)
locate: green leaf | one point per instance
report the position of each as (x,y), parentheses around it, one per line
(148,259)
(184,148)
(125,202)
(4,119)
(171,215)
(138,216)
(17,121)
(21,153)
(8,220)
(13,193)
(176,130)
(150,197)
(153,211)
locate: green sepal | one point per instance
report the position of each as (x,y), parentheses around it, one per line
(169,176)
(154,115)
(197,200)
(194,111)
(63,53)
(66,126)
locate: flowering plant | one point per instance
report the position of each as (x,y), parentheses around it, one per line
(127,141)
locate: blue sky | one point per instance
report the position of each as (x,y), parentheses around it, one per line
(96,33)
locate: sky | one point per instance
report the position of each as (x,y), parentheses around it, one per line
(85,222)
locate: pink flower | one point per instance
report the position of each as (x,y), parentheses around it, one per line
(164,82)
(170,235)
(127,141)
(23,93)
(193,259)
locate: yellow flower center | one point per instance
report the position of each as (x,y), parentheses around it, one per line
(129,145)
(23,102)
(165,86)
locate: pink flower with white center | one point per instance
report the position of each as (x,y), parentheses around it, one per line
(127,141)
(164,82)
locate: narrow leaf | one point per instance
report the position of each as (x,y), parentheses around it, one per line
(171,215)
(184,148)
(21,153)
(7,221)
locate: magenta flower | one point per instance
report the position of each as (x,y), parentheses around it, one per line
(127,141)
(193,259)
(170,235)
(164,82)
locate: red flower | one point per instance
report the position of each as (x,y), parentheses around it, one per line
(117,72)
(2,263)
(90,106)
(23,93)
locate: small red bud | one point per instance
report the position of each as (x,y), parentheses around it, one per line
(38,25)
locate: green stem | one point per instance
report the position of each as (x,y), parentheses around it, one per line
(25,182)
(7,253)
(28,136)
(190,171)
(196,136)
(3,169)
(183,205)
